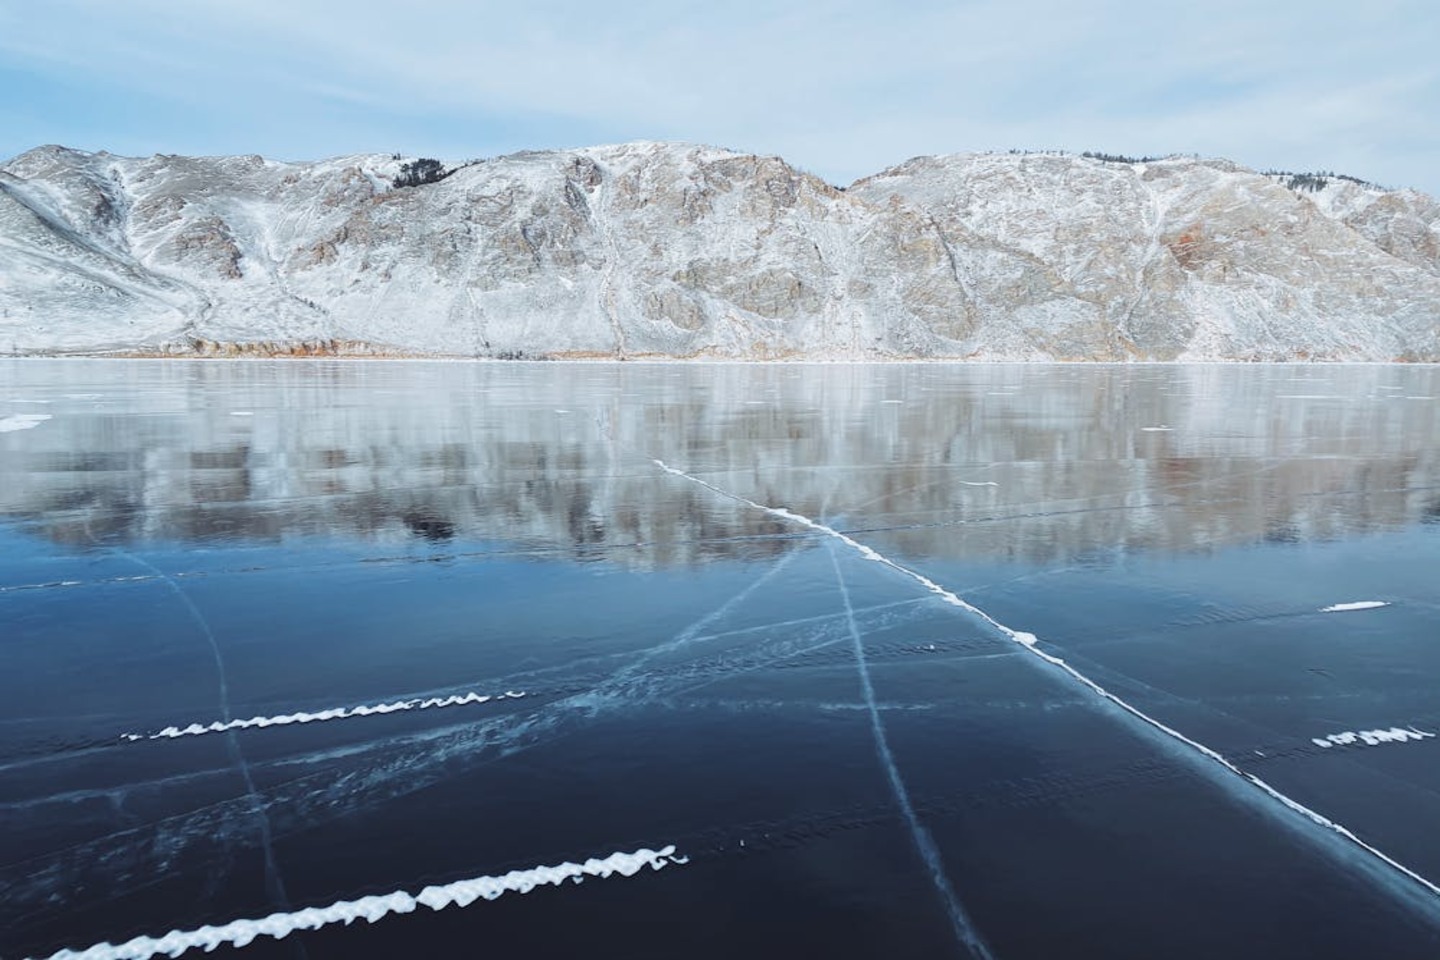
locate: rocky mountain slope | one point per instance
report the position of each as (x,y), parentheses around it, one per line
(670,250)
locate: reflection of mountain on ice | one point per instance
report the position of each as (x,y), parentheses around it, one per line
(652,249)
(1022,462)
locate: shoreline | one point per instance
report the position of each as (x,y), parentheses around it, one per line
(705,361)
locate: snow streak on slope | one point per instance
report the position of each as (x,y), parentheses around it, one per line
(335,713)
(1031,643)
(462,893)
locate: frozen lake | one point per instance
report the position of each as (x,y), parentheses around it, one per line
(837,661)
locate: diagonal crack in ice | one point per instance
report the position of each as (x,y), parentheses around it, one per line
(1031,644)
(960,920)
(274,883)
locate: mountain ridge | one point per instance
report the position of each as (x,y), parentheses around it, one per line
(670,250)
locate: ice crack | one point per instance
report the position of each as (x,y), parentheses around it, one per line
(1031,643)
(924,843)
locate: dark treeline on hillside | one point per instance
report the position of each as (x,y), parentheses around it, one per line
(1313,182)
(417,172)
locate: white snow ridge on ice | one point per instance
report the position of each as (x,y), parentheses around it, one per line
(462,893)
(22,421)
(335,713)
(1371,738)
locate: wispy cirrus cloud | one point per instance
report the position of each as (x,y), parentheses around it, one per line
(842,88)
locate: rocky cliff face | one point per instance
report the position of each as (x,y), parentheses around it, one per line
(679,251)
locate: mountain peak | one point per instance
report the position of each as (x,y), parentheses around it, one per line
(654,248)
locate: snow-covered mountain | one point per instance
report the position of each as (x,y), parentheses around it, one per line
(672,250)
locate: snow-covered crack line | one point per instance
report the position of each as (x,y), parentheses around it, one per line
(334,713)
(461,893)
(1372,738)
(1031,644)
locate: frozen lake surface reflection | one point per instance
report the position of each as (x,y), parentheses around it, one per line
(368,659)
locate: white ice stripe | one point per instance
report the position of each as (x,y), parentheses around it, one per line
(915,487)
(73,583)
(22,421)
(924,843)
(1030,642)
(334,713)
(694,633)
(461,893)
(732,705)
(864,551)
(1371,738)
(1357,605)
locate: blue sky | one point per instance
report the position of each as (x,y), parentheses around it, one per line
(841,88)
